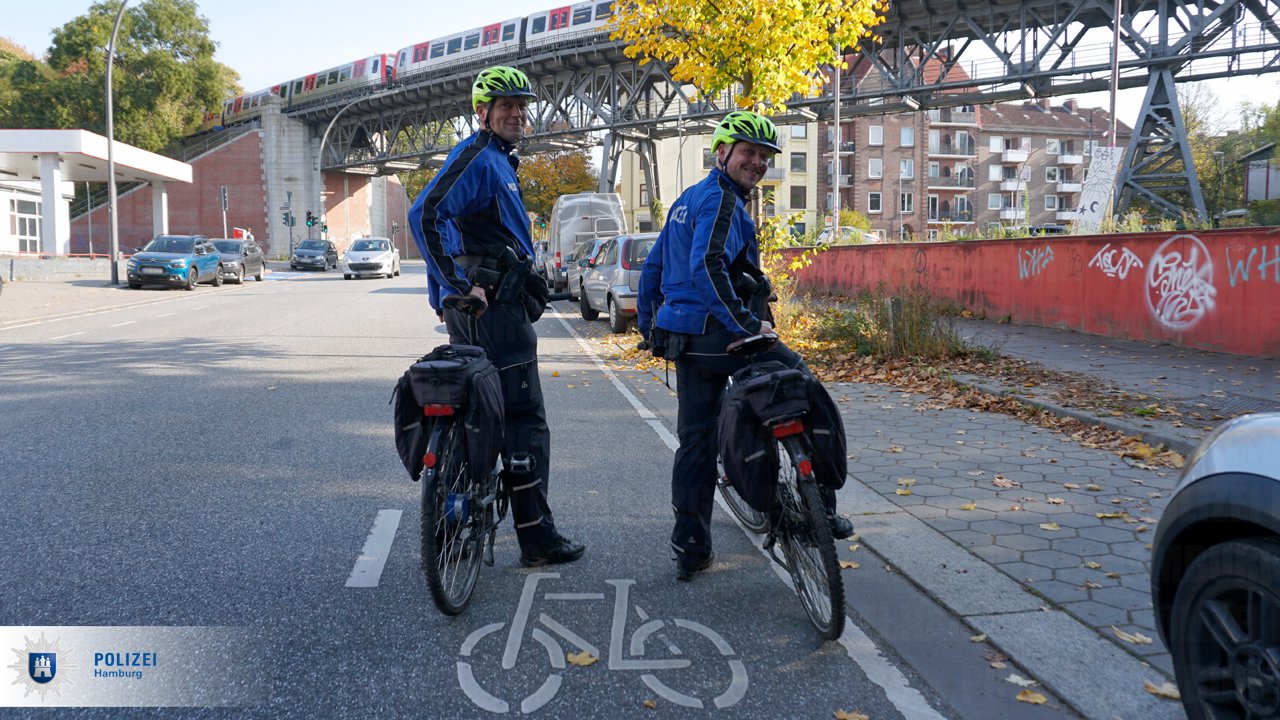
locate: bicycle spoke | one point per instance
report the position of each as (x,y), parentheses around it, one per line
(451,526)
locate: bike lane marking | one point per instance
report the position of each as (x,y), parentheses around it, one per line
(368,568)
(857,644)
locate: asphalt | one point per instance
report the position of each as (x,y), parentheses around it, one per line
(1037,542)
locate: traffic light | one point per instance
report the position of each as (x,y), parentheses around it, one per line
(311,218)
(542,222)
(324,229)
(285,216)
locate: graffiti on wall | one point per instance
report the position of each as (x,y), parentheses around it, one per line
(1179,282)
(1240,270)
(1033,261)
(1115,262)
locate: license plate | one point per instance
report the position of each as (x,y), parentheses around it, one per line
(152,271)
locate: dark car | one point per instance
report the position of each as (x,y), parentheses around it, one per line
(241,258)
(313,254)
(1215,573)
(611,279)
(175,261)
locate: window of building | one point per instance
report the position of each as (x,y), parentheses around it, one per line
(935,169)
(708,159)
(996,144)
(907,136)
(933,235)
(1089,145)
(908,202)
(644,194)
(1052,146)
(799,228)
(1051,174)
(799,162)
(25,224)
(995,201)
(873,202)
(875,135)
(799,197)
(1050,202)
(906,169)
(799,131)
(875,167)
(963,209)
(994,172)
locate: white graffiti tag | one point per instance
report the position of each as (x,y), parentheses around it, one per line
(1110,266)
(1180,287)
(1035,261)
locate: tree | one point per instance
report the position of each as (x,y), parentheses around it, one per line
(164,76)
(547,176)
(773,49)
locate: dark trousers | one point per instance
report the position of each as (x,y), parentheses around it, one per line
(701,375)
(512,346)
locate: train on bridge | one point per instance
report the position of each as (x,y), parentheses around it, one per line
(520,34)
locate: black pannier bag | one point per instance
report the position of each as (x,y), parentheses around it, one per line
(461,377)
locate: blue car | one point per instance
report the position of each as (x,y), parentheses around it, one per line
(176,261)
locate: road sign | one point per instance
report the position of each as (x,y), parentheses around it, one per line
(224,198)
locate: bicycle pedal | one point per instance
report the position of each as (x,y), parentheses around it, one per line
(521,462)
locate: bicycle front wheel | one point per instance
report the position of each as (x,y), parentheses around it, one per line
(452,524)
(751,519)
(807,544)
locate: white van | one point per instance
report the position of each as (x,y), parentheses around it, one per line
(576,218)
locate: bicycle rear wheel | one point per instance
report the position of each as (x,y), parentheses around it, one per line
(808,546)
(751,519)
(452,524)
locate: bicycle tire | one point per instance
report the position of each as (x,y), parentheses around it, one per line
(810,551)
(751,519)
(452,525)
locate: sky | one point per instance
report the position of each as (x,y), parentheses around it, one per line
(269,42)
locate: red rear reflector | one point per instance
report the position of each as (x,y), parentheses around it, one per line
(437,410)
(429,460)
(806,468)
(558,264)
(790,427)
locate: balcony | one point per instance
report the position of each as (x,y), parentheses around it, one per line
(846,148)
(1014,156)
(775,173)
(952,117)
(969,149)
(954,218)
(1012,213)
(937,182)
(1069,186)
(1070,159)
(1067,215)
(1013,185)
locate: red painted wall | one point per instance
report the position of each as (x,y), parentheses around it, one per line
(1214,289)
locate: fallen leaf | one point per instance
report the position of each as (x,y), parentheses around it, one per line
(854,548)
(850,565)
(856,536)
(1136,638)
(998,665)
(1056,501)
(1093,488)
(1034,698)
(1108,515)
(1020,681)
(650,704)
(969,506)
(1113,575)
(978,638)
(1168,690)
(581,659)
(895,449)
(855,715)
(1071,486)
(555,373)
(571,386)
(1050,526)
(1093,565)
(906,481)
(1004,482)
(1015,508)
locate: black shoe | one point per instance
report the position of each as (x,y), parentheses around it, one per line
(561,550)
(841,526)
(689,565)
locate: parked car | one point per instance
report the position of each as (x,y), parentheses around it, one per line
(314,254)
(611,281)
(575,218)
(540,258)
(240,258)
(371,257)
(175,260)
(1215,572)
(577,262)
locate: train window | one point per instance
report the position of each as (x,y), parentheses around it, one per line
(374,69)
(559,19)
(297,86)
(604,10)
(471,42)
(455,44)
(490,35)
(582,15)
(508,32)
(321,80)
(539,24)
(343,75)
(437,50)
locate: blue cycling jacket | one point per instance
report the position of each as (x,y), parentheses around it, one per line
(473,206)
(686,275)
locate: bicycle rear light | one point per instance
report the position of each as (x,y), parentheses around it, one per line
(790,427)
(437,410)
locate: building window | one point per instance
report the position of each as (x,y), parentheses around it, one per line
(708,159)
(995,173)
(933,235)
(799,162)
(873,202)
(962,207)
(908,202)
(644,195)
(1051,174)
(799,131)
(906,169)
(1052,146)
(875,135)
(1050,202)
(875,167)
(907,136)
(1089,145)
(995,201)
(996,144)
(25,224)
(799,197)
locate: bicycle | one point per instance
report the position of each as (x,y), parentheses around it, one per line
(798,520)
(750,518)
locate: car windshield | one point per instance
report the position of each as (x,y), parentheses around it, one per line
(170,245)
(370,245)
(227,246)
(311,245)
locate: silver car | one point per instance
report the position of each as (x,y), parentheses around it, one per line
(611,279)
(371,257)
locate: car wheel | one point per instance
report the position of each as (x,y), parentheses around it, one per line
(135,286)
(1225,631)
(617,321)
(217,277)
(191,279)
(397,269)
(240,276)
(262,272)
(588,312)
(346,277)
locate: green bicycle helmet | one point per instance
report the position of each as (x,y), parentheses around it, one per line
(748,126)
(500,81)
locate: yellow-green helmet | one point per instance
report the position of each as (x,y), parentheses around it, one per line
(500,81)
(748,126)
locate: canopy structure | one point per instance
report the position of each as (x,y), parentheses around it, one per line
(56,156)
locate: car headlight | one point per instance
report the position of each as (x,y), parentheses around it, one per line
(133,264)
(180,263)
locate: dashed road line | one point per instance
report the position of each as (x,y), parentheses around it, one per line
(368,568)
(60,337)
(126,322)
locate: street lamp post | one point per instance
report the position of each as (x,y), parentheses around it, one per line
(111,162)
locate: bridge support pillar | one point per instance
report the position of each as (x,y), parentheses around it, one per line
(1157,165)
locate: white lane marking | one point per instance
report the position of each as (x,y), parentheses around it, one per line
(200,307)
(67,335)
(166,315)
(127,322)
(368,568)
(860,648)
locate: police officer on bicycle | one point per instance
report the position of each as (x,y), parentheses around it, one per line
(472,228)
(689,311)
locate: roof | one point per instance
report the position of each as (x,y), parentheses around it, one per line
(1043,117)
(82,157)
(1262,153)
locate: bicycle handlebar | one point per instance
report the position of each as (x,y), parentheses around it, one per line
(469,304)
(752,345)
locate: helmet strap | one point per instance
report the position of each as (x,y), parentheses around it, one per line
(724,164)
